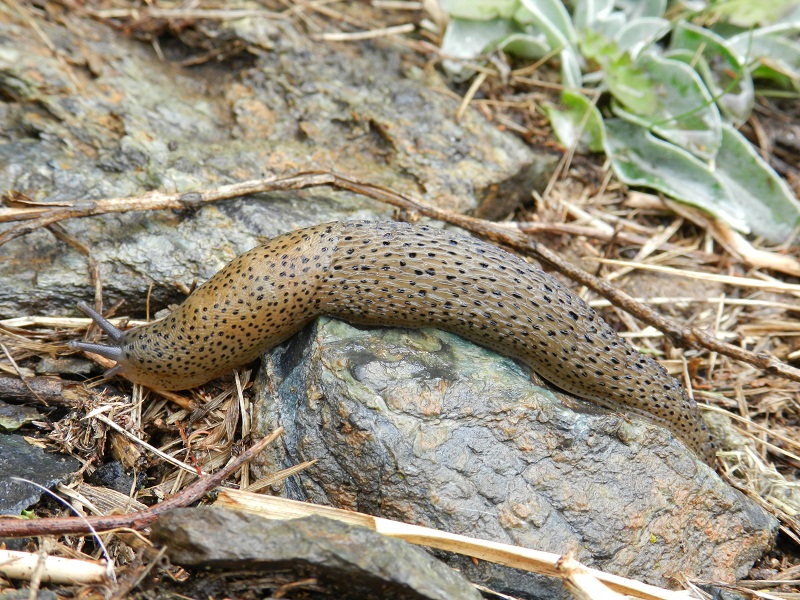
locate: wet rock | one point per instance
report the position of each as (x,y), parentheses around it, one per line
(429,429)
(140,123)
(112,475)
(18,458)
(351,562)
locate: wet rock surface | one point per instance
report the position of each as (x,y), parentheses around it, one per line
(428,429)
(140,122)
(18,458)
(349,562)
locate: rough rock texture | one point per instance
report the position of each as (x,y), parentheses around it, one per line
(428,429)
(137,123)
(352,562)
(19,458)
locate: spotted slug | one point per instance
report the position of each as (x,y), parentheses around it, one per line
(397,274)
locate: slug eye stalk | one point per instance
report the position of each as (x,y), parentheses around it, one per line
(113,352)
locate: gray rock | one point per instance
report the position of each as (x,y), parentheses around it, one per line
(112,475)
(18,458)
(351,562)
(140,123)
(426,428)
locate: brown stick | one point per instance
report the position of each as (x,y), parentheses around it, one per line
(36,216)
(46,390)
(691,337)
(138,520)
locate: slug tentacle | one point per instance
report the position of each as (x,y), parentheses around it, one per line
(110,352)
(403,275)
(103,323)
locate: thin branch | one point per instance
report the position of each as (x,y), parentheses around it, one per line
(679,335)
(10,527)
(58,570)
(35,216)
(357,36)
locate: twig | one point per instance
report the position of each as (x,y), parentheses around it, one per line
(58,570)
(96,414)
(771,286)
(582,583)
(188,14)
(138,520)
(473,89)
(735,243)
(357,36)
(63,322)
(572,229)
(36,216)
(273,478)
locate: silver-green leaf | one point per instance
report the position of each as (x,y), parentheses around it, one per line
(641,159)
(769,207)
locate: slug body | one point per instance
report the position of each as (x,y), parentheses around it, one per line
(396,274)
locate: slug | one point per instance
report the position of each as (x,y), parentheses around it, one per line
(397,274)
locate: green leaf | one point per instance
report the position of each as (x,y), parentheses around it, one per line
(770,208)
(641,33)
(598,47)
(577,122)
(723,74)
(588,12)
(551,17)
(631,86)
(640,159)
(480,10)
(571,76)
(609,26)
(746,13)
(636,9)
(684,111)
(770,50)
(525,45)
(466,39)
(553,20)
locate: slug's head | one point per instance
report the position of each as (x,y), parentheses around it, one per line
(123,351)
(150,356)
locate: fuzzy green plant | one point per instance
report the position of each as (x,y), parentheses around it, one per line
(671,91)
